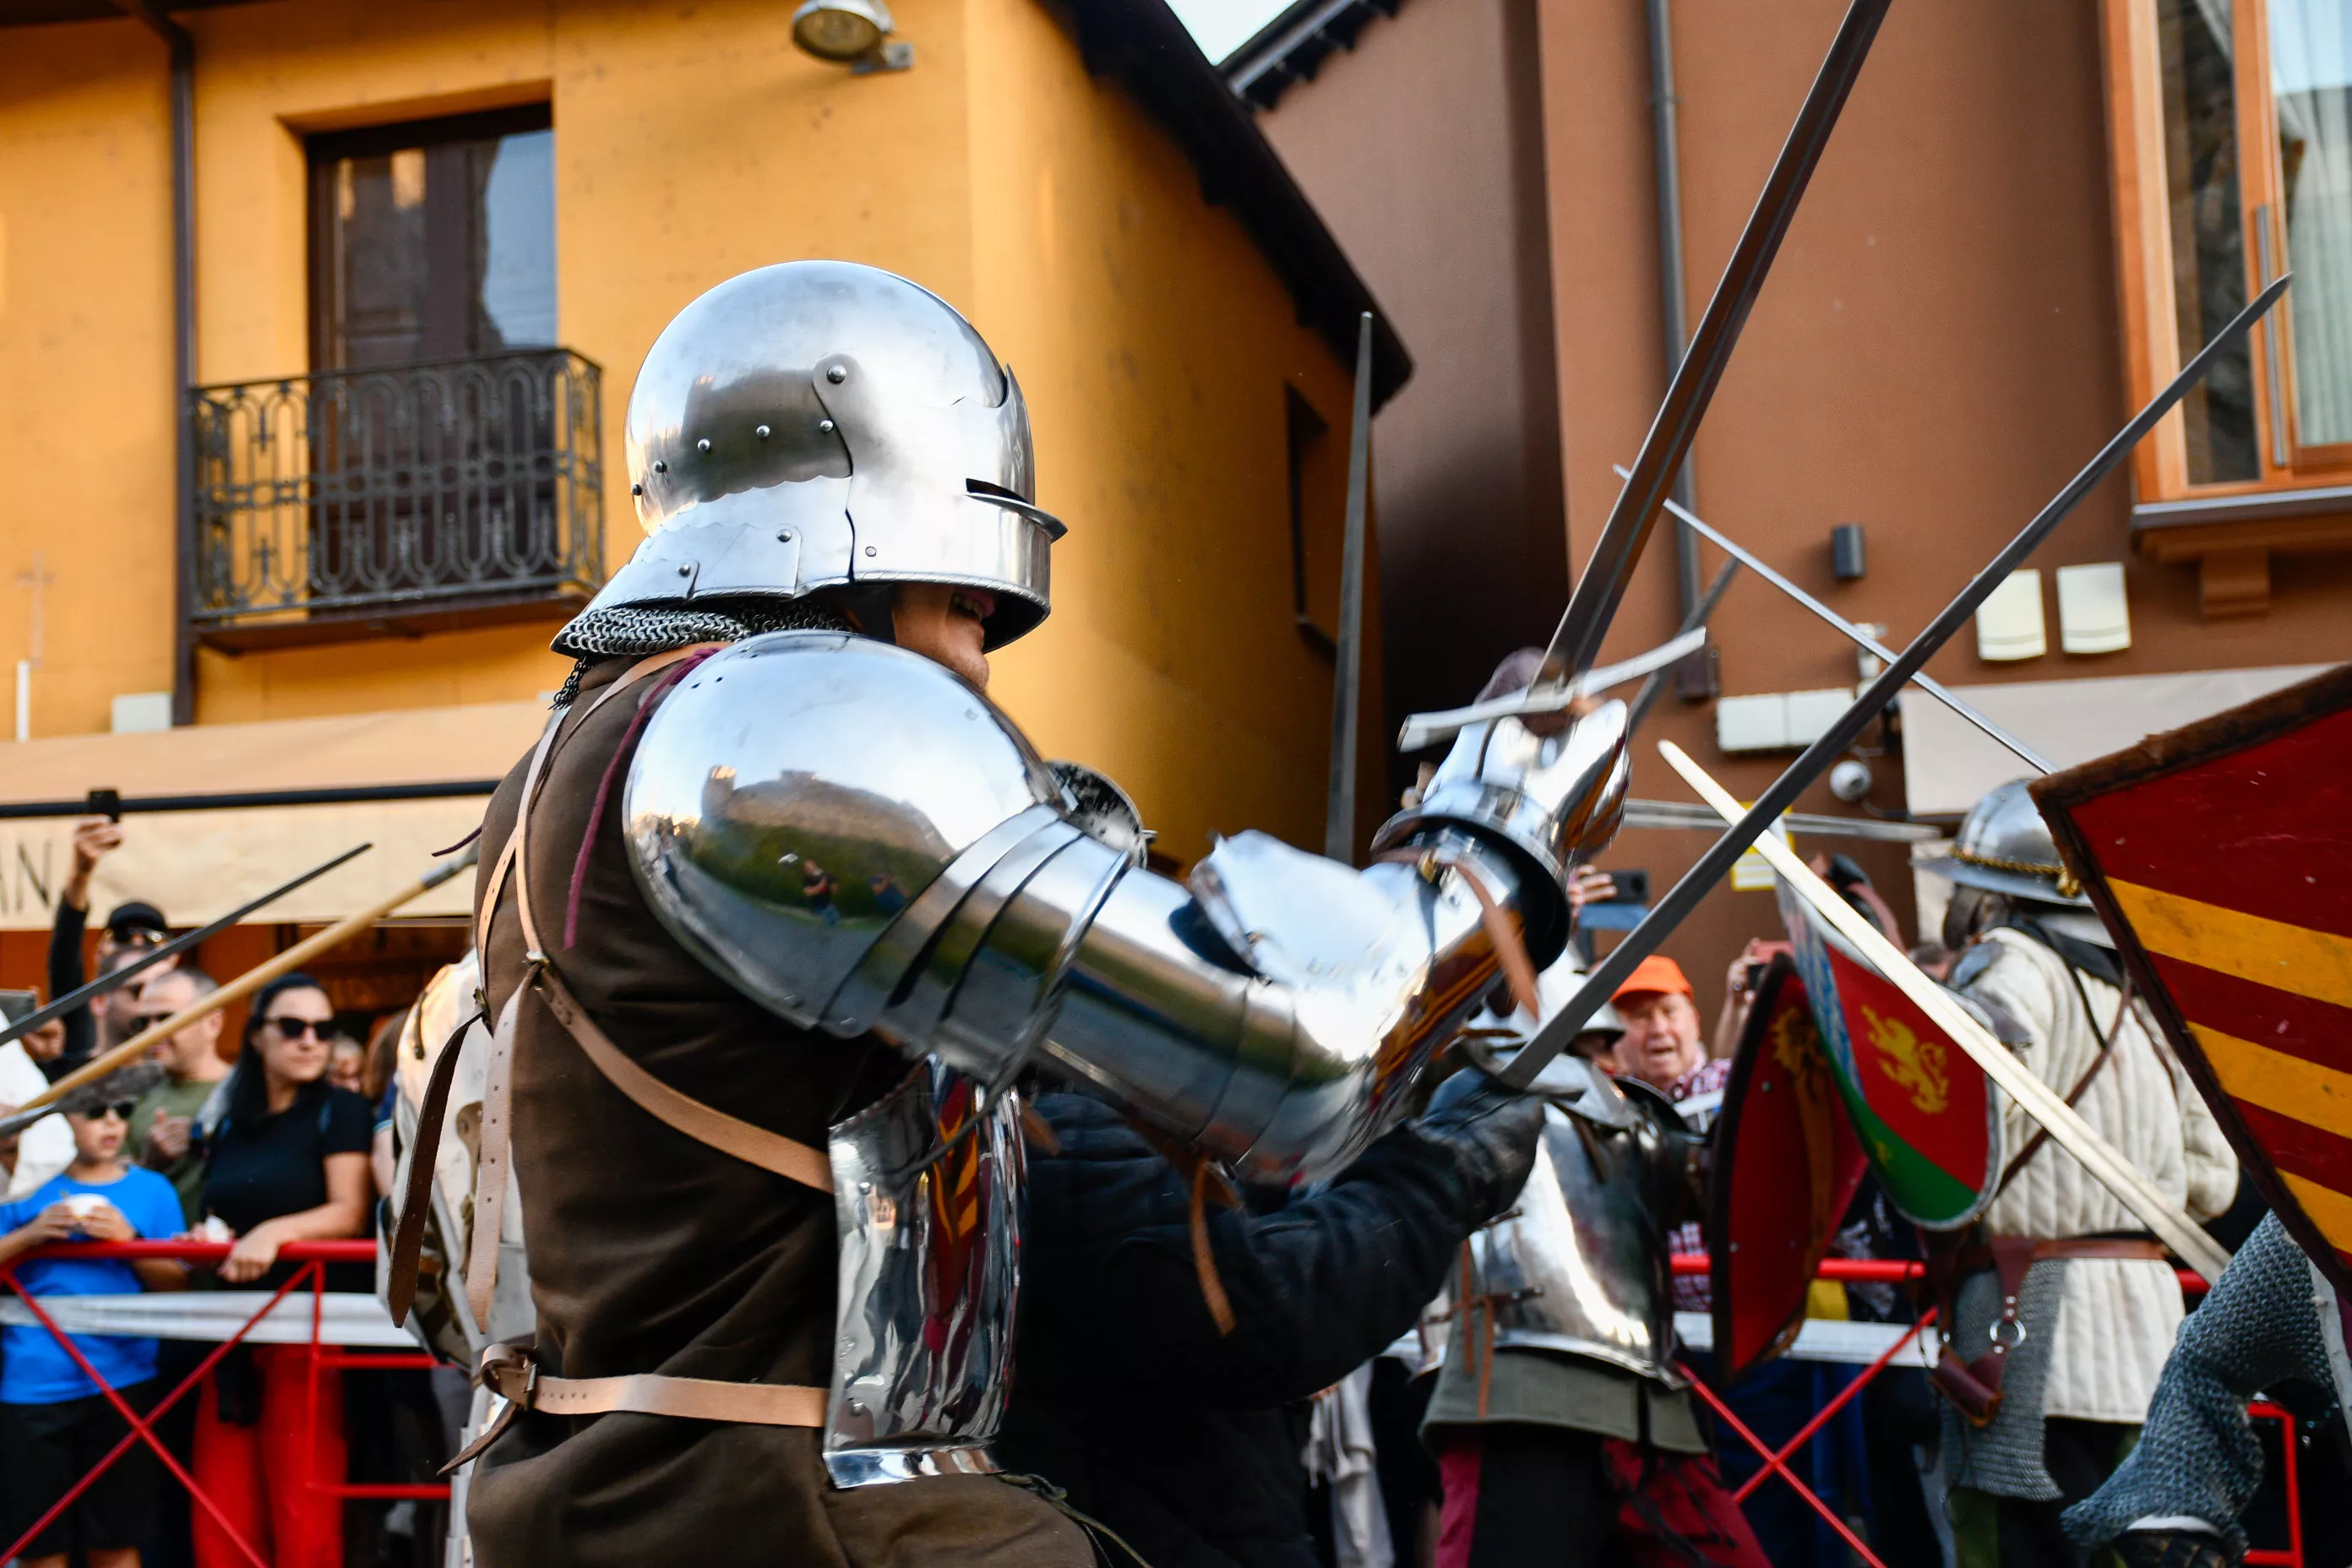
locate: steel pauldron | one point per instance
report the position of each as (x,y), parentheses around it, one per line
(861,842)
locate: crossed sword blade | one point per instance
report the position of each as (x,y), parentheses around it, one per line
(1427,729)
(123,975)
(1576,644)
(1711,867)
(1855,634)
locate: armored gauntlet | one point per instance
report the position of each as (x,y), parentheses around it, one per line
(861,842)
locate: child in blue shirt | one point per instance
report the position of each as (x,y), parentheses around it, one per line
(55,1426)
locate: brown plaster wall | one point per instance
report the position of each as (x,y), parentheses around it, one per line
(1938,349)
(1421,148)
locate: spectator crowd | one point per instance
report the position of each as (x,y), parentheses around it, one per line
(259,1142)
(276,1129)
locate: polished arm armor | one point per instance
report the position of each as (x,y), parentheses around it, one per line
(855,838)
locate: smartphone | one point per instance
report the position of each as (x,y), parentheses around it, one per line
(105,803)
(1632,887)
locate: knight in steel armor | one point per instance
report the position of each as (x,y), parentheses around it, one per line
(2065,1307)
(779,910)
(1560,1419)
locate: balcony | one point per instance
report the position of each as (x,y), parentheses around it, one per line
(352,504)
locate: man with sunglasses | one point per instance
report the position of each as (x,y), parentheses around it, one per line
(193,1068)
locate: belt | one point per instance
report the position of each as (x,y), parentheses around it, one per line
(508,1372)
(1974,1384)
(2012,1255)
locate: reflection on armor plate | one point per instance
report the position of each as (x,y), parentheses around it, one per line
(927,1195)
(1579,1263)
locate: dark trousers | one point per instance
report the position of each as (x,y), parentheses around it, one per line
(2011,1532)
(1545,1497)
(1775,1401)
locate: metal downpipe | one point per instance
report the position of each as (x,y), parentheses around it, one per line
(1695,678)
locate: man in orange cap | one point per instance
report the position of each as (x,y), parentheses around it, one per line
(1661,1045)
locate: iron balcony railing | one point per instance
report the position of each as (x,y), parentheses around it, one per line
(343,503)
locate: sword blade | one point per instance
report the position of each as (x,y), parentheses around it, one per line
(1426,728)
(1860,639)
(171,949)
(1711,867)
(1593,603)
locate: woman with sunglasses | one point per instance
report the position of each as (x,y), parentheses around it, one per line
(288,1162)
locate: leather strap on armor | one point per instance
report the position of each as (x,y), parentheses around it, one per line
(508,1372)
(1504,934)
(2107,1050)
(1973,1385)
(415,1198)
(755,1145)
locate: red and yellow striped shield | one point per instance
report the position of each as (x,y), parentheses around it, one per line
(2221,857)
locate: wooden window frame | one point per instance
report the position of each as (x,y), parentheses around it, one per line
(2304,503)
(323,150)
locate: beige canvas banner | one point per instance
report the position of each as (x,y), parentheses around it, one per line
(197,865)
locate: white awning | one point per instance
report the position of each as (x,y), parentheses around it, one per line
(197,865)
(1948,763)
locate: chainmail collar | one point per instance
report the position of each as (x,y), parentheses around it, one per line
(632,631)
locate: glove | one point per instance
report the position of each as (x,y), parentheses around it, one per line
(2171,1549)
(1490,1130)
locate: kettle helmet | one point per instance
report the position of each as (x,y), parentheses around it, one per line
(824,423)
(2004,847)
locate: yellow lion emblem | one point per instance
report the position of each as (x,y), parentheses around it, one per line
(1917,1066)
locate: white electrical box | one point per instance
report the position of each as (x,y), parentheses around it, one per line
(1752,723)
(2092,615)
(2009,623)
(137,712)
(1810,713)
(1777,721)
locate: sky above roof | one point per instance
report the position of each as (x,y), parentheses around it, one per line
(1221,26)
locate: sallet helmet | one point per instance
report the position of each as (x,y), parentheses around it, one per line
(2004,847)
(824,423)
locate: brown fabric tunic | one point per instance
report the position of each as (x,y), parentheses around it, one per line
(651,1252)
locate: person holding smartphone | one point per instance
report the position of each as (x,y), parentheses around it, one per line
(55,1424)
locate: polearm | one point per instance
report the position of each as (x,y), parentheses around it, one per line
(1347,679)
(2065,1126)
(1701,878)
(1855,634)
(252,980)
(171,949)
(1593,603)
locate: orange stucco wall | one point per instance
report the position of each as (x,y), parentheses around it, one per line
(1937,351)
(1152,338)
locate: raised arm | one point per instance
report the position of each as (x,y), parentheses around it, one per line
(977,904)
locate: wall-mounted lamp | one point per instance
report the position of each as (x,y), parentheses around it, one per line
(856,33)
(1849,555)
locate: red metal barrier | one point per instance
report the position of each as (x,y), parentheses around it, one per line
(314,1254)
(312,1257)
(1897,1272)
